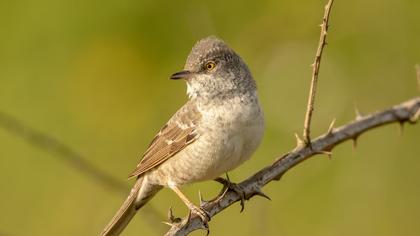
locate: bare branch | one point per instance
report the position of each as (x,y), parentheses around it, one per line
(73,158)
(405,112)
(418,76)
(315,72)
(54,146)
(4,234)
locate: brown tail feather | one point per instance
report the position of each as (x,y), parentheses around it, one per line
(130,207)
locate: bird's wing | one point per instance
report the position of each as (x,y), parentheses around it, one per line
(179,132)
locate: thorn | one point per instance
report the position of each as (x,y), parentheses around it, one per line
(358,114)
(331,127)
(355,142)
(401,128)
(299,142)
(242,202)
(202,202)
(414,118)
(278,177)
(167,223)
(329,154)
(262,194)
(418,76)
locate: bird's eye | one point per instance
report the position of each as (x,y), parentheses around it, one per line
(210,65)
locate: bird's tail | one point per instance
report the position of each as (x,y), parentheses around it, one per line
(140,194)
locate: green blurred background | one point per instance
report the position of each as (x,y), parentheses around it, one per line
(94,75)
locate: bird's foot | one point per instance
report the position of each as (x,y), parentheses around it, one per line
(227,185)
(178,222)
(203,214)
(200,212)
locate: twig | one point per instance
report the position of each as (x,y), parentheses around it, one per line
(79,162)
(4,234)
(405,112)
(54,146)
(418,76)
(315,73)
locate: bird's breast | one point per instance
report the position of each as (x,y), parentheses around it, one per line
(228,135)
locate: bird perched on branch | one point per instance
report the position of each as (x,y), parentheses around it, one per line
(218,128)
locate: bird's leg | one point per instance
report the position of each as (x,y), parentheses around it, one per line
(227,185)
(205,217)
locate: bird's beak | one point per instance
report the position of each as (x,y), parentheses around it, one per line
(185,74)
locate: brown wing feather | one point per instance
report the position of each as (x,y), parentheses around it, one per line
(179,132)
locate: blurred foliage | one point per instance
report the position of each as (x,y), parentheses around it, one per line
(94,74)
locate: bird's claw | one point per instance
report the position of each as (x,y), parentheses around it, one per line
(203,214)
(228,185)
(176,221)
(200,212)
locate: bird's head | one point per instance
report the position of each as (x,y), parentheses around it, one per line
(214,70)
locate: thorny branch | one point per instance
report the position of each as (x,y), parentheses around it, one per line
(408,111)
(315,73)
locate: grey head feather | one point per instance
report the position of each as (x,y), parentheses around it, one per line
(205,49)
(230,77)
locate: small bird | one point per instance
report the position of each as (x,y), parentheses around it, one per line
(218,128)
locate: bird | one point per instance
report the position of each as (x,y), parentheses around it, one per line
(217,129)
